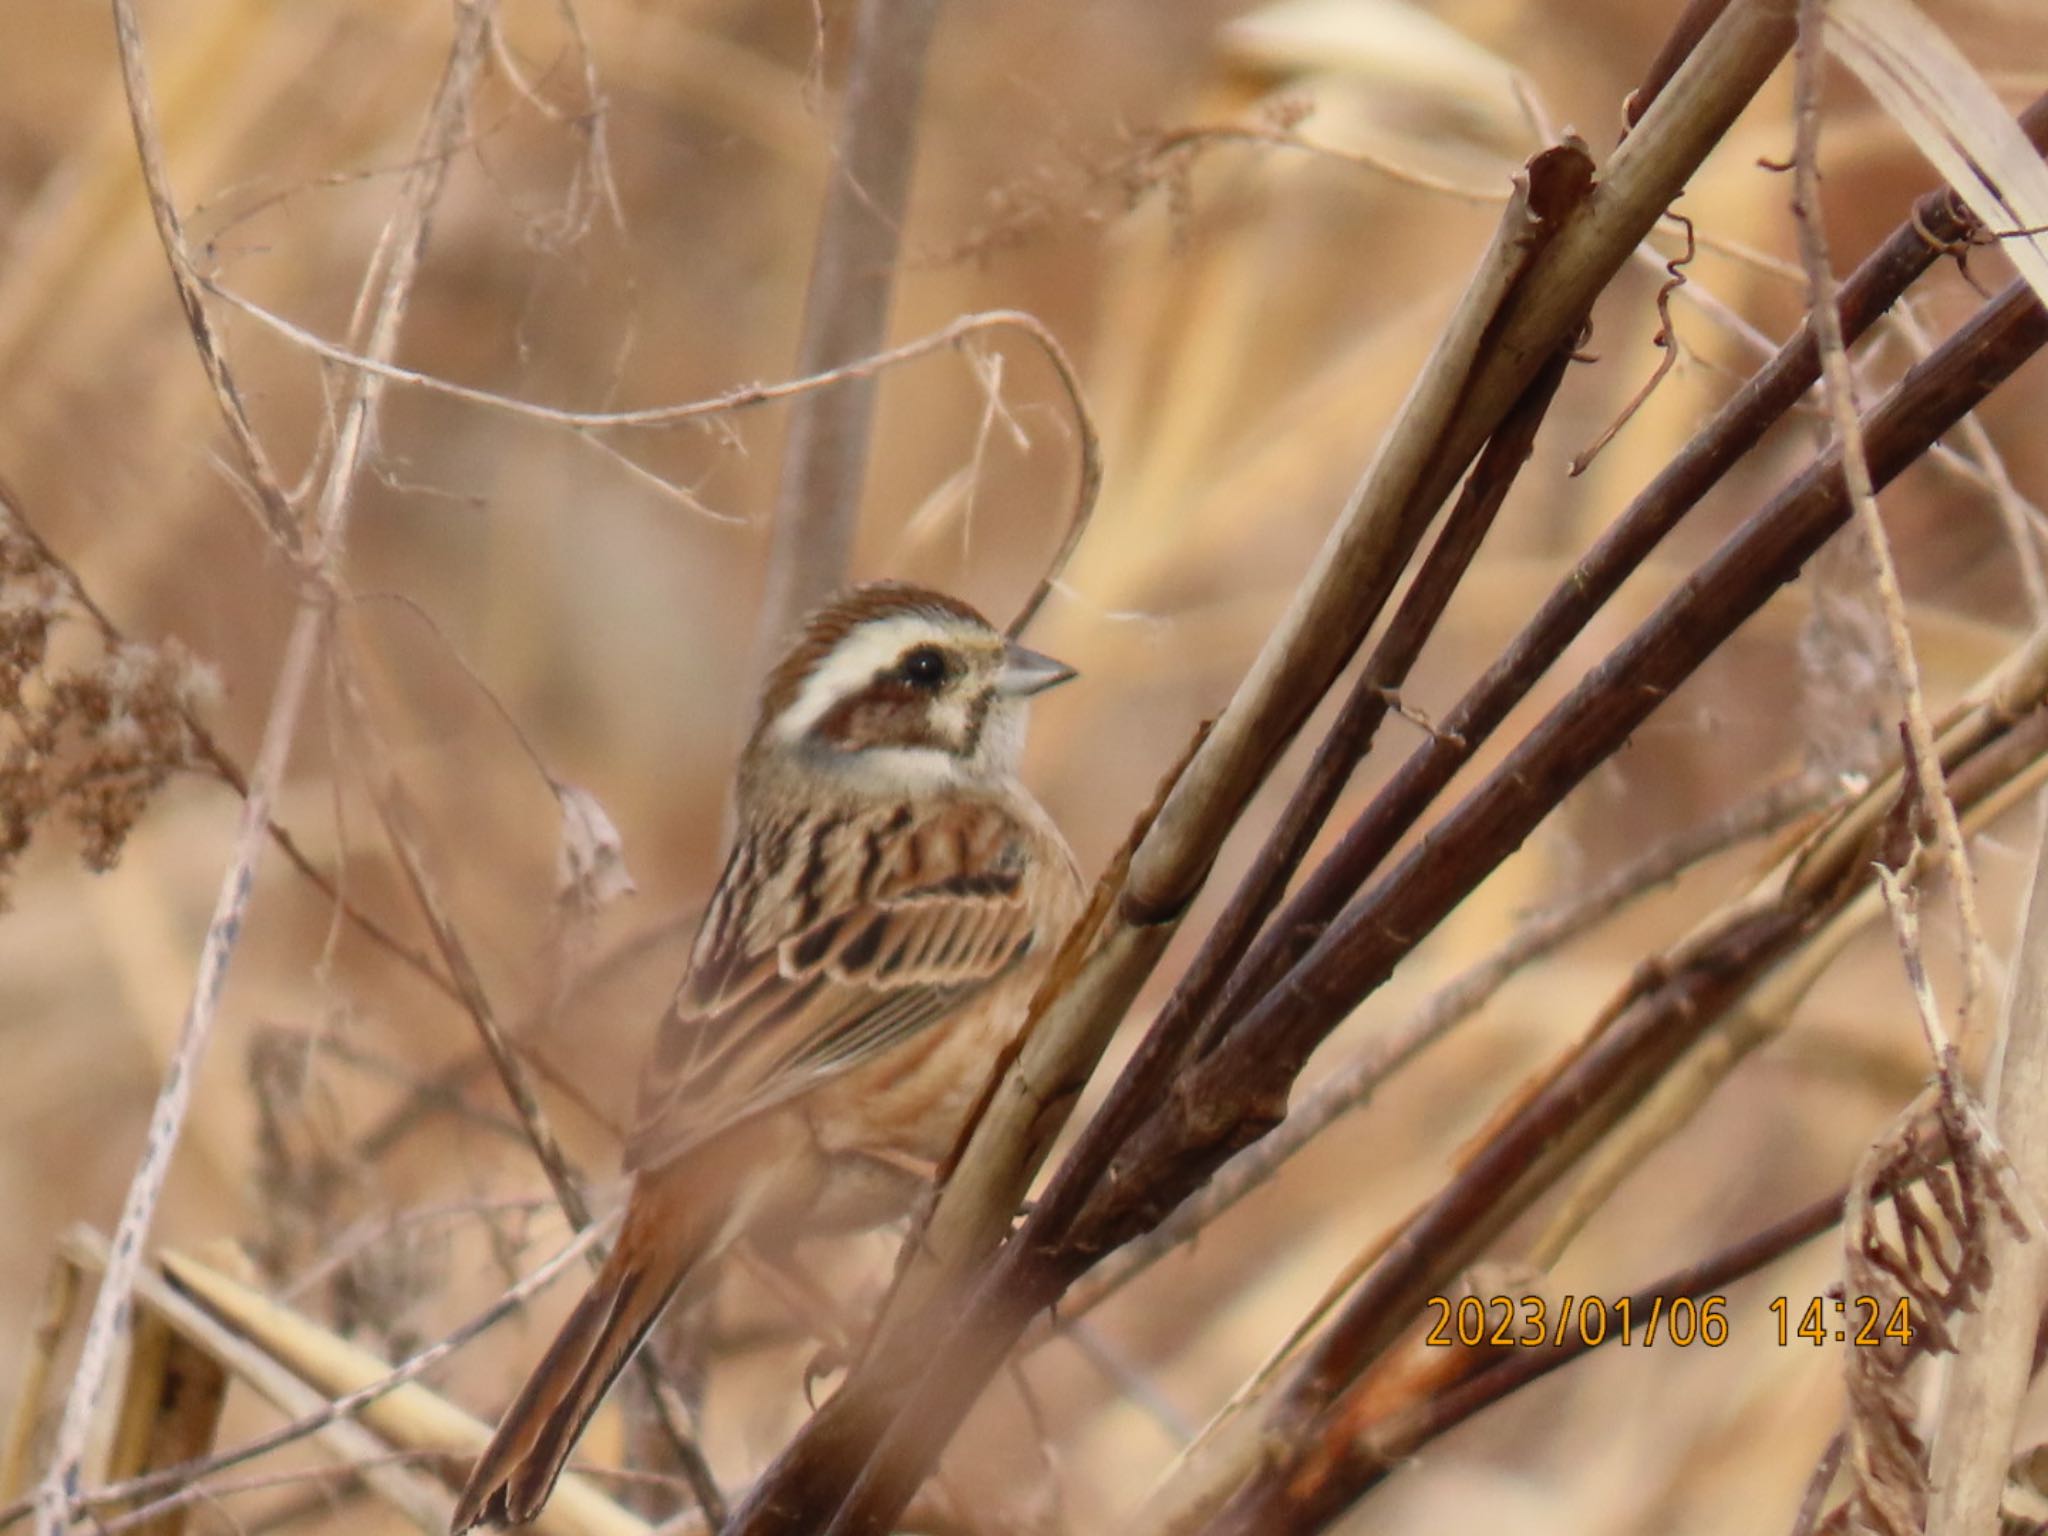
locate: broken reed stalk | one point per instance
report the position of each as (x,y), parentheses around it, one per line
(171,1405)
(386,293)
(846,310)
(61,1286)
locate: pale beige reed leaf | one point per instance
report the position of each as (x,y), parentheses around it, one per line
(1921,78)
(1388,45)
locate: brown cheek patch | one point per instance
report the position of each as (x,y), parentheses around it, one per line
(878,716)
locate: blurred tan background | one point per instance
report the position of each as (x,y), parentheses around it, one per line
(1245,321)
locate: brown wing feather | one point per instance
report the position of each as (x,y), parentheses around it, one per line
(829,940)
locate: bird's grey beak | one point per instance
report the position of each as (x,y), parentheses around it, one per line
(1026,672)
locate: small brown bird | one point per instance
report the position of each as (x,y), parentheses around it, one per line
(892,897)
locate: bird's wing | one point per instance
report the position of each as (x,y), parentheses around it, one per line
(832,937)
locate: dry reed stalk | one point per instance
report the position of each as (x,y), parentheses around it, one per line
(416,1496)
(61,1289)
(405,240)
(846,310)
(171,1405)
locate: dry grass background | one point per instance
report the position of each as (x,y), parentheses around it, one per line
(1245,318)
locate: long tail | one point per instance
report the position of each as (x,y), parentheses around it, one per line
(656,1249)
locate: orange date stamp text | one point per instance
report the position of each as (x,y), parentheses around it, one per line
(1534,1322)
(1586,1322)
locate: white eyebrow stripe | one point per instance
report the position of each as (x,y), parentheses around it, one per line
(852,664)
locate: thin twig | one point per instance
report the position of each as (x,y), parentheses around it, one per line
(272,500)
(1183,143)
(1839,390)
(348,1475)
(1814,1500)
(444,1086)
(1666,342)
(585,423)
(394,809)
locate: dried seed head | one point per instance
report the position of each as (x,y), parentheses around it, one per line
(91,744)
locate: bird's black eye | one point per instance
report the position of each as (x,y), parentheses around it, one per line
(925,667)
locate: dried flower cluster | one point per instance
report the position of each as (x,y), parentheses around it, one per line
(90,742)
(1924,1253)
